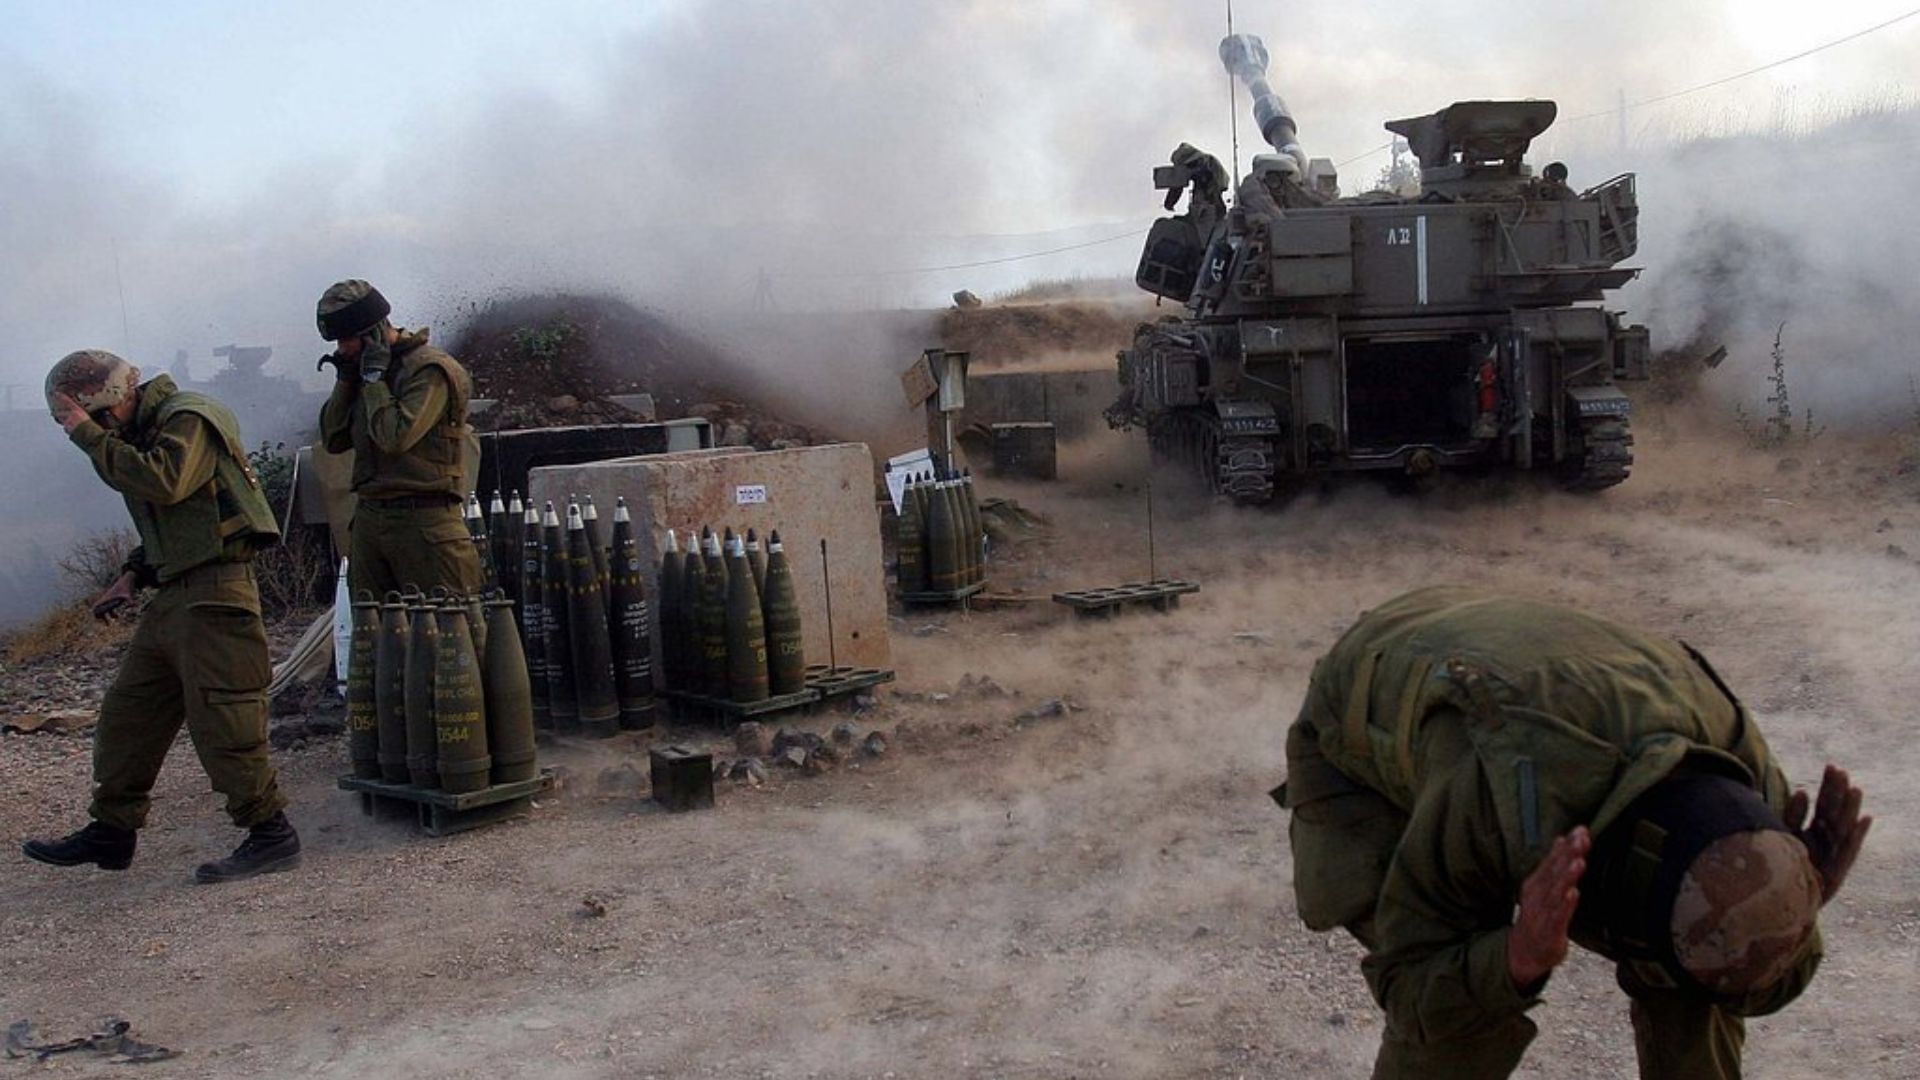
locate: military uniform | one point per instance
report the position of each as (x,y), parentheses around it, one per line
(411,443)
(1445,741)
(199,655)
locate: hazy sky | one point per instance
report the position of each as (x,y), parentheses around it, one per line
(221,162)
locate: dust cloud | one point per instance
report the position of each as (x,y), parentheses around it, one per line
(730,164)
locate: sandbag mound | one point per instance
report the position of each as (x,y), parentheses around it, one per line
(554,360)
(1019,334)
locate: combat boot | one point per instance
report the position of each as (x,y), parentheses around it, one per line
(107,846)
(270,846)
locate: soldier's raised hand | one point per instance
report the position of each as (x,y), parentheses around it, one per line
(67,412)
(1538,941)
(1834,836)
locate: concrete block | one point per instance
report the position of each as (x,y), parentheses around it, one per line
(810,494)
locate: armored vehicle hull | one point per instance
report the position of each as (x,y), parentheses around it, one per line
(1458,327)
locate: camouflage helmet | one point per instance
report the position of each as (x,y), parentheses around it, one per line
(94,378)
(1699,879)
(349,308)
(1745,911)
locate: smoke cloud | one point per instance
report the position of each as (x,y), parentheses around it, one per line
(710,157)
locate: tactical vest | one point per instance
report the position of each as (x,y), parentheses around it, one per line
(435,464)
(1571,716)
(227,518)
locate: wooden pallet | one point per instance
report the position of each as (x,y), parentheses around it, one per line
(822,685)
(1161,595)
(835,682)
(442,813)
(943,596)
(723,710)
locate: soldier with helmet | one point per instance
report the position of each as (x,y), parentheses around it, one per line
(199,655)
(400,404)
(1477,781)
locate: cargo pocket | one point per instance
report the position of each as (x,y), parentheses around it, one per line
(1342,845)
(235,721)
(225,646)
(446,558)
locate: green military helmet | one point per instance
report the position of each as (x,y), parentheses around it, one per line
(1702,880)
(95,378)
(349,308)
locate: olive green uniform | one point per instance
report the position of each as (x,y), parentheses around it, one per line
(199,656)
(411,444)
(1445,741)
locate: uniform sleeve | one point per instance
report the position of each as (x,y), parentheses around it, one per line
(336,417)
(179,463)
(1440,965)
(396,422)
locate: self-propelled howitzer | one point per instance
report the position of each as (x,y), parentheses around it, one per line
(1459,326)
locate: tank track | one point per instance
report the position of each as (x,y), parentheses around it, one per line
(1608,455)
(1240,467)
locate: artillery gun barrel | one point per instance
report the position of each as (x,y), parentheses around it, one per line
(1245,58)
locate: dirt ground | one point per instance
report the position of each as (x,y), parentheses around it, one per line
(1100,893)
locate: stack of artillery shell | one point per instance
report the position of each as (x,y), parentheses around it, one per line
(514,547)
(939,536)
(631,623)
(729,625)
(563,699)
(710,617)
(390,689)
(477,533)
(439,690)
(363,722)
(758,561)
(910,541)
(450,702)
(746,630)
(786,654)
(600,573)
(673,626)
(459,711)
(509,697)
(975,534)
(533,614)
(592,645)
(423,641)
(500,544)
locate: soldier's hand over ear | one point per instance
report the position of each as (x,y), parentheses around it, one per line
(69,414)
(375,356)
(1834,836)
(1538,941)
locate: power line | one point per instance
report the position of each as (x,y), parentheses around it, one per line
(1750,71)
(1722,81)
(906,271)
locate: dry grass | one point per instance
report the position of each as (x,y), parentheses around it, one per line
(65,630)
